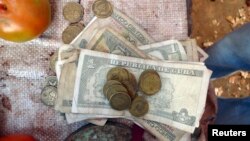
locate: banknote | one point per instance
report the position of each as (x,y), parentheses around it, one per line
(66,54)
(191,50)
(71,118)
(201,54)
(66,85)
(194,52)
(161,131)
(171,50)
(79,117)
(176,104)
(109,41)
(118,21)
(166,50)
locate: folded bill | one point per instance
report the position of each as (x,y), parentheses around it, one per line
(194,52)
(166,50)
(202,54)
(191,50)
(66,84)
(109,41)
(161,131)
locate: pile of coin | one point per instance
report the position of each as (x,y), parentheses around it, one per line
(121,90)
(73,13)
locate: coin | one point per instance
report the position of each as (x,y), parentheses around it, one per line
(133,81)
(102,8)
(149,71)
(114,89)
(118,73)
(139,107)
(120,101)
(71,32)
(150,82)
(53,59)
(51,81)
(131,90)
(73,12)
(108,84)
(49,95)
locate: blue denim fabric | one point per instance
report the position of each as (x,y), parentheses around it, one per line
(231,54)
(233,111)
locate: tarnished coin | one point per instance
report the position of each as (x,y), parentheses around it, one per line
(149,71)
(133,81)
(108,84)
(71,32)
(73,12)
(150,82)
(51,81)
(139,107)
(49,95)
(118,73)
(120,101)
(102,8)
(53,59)
(114,89)
(131,90)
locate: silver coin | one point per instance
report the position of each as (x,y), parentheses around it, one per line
(49,94)
(73,12)
(50,81)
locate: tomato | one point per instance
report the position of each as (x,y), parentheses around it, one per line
(17,137)
(23,20)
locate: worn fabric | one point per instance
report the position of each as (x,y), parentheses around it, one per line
(24,66)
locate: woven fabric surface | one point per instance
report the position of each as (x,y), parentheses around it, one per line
(24,66)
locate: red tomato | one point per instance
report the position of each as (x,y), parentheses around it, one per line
(23,20)
(16,137)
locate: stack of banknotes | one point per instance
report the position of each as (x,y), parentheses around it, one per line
(105,43)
